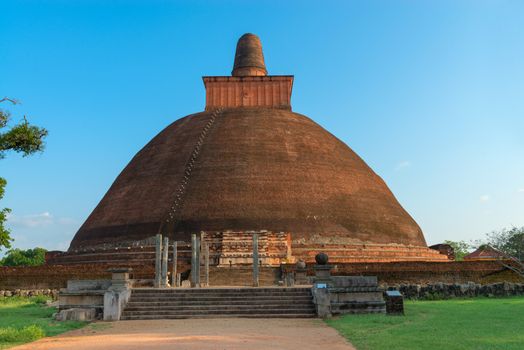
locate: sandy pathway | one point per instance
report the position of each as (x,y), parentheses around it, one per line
(252,334)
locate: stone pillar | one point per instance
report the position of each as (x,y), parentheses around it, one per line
(174,282)
(323,270)
(206,262)
(301,273)
(198,261)
(165,251)
(255,260)
(158,262)
(193,260)
(322,301)
(117,296)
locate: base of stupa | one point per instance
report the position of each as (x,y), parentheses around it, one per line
(235,248)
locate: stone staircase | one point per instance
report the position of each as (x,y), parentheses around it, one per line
(150,303)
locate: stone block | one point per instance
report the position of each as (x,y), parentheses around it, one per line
(81,285)
(394,302)
(76,314)
(354,281)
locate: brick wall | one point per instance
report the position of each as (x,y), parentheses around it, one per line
(484,272)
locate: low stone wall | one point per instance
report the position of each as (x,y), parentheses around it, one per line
(456,290)
(482,272)
(53,293)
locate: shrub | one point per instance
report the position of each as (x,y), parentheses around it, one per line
(19,257)
(22,335)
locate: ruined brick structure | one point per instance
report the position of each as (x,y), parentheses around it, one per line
(249,164)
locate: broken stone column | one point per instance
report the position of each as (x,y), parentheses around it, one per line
(193,260)
(174,281)
(198,260)
(158,262)
(301,273)
(165,251)
(206,263)
(255,260)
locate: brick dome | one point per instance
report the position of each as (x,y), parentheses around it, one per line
(248,163)
(258,168)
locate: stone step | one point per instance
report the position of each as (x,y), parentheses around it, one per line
(218,296)
(136,303)
(225,291)
(211,295)
(226,307)
(251,315)
(232,293)
(217,300)
(218,312)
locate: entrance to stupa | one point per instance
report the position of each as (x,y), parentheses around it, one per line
(222,259)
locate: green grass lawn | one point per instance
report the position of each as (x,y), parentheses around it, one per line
(468,324)
(27,319)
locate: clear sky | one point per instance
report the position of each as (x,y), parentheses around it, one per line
(429,93)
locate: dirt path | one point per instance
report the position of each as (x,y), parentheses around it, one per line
(201,334)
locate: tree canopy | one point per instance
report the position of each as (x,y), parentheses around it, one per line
(23,138)
(460,248)
(19,257)
(509,241)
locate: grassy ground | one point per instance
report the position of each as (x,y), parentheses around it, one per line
(27,319)
(455,324)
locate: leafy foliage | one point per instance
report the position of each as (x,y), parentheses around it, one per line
(510,242)
(22,138)
(19,257)
(25,334)
(461,249)
(5,238)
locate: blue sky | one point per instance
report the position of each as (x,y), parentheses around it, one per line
(429,93)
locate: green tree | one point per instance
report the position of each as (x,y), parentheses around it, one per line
(23,138)
(460,248)
(19,257)
(509,241)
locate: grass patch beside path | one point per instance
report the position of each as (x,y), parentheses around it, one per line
(23,320)
(456,324)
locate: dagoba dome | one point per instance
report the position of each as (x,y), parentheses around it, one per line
(248,163)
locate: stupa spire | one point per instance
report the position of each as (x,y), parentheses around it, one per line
(249,59)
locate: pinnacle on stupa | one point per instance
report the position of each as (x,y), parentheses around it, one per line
(249,59)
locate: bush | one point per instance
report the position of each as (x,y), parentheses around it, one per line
(21,335)
(19,257)
(22,301)
(40,299)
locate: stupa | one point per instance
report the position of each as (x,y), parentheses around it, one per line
(247,164)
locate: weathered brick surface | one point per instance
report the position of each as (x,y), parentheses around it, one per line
(431,272)
(485,272)
(56,276)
